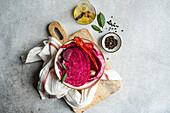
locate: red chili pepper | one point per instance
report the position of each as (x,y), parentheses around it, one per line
(80,43)
(68,45)
(89,46)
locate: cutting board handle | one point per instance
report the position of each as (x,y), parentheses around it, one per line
(56,25)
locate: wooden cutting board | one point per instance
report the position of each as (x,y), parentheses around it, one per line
(105,87)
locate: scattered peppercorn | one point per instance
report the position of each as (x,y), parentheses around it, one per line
(113,25)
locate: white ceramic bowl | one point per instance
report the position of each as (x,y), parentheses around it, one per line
(117,37)
(57,70)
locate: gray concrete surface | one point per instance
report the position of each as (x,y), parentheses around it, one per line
(143,60)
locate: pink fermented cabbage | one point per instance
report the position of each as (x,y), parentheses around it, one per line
(78,67)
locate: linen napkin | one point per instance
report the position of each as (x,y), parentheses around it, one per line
(49,86)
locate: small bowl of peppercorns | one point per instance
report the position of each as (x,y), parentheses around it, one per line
(111,42)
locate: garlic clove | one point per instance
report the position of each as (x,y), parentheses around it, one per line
(92,72)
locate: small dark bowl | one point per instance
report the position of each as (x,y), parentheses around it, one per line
(117,37)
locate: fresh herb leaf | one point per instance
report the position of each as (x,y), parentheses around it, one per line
(63,77)
(96,28)
(63,66)
(101,19)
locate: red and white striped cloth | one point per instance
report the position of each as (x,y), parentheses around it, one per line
(49,86)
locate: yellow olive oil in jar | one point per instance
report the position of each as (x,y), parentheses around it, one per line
(84,12)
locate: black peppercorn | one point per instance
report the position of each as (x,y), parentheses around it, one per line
(110,42)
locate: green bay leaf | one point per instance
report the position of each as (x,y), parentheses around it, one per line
(63,77)
(101,20)
(63,66)
(96,28)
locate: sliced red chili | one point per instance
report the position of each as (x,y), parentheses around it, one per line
(80,43)
(89,46)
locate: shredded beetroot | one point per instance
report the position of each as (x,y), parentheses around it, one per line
(78,67)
